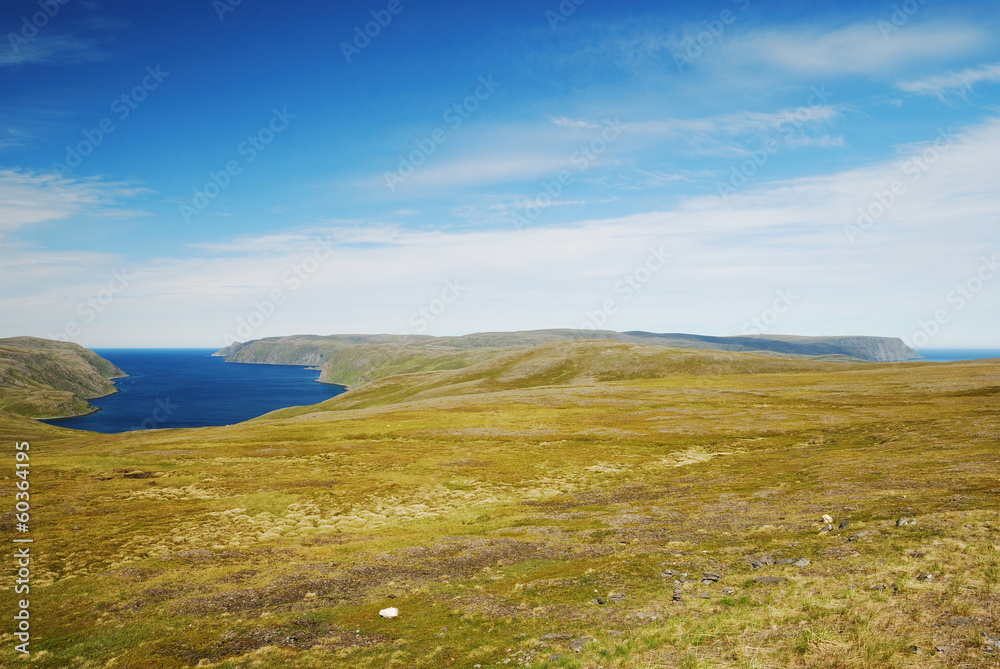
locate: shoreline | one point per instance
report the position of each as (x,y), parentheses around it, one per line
(115,391)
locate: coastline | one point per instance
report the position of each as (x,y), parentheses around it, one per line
(115,391)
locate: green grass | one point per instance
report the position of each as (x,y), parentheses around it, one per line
(490,503)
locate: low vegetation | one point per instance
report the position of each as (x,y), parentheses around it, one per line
(41,378)
(589,504)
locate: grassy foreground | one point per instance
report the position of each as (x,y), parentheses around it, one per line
(557,509)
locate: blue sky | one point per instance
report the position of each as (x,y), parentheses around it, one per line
(192,173)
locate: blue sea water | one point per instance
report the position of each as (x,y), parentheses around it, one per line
(169,388)
(956,354)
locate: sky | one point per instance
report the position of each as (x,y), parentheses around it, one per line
(194,173)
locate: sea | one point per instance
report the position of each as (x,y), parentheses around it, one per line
(172,388)
(957,354)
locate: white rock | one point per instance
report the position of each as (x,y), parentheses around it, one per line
(390,612)
(827,519)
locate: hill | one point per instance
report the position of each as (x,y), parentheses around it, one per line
(573,504)
(357,359)
(40,378)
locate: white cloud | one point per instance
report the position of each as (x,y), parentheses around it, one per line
(960,83)
(28,198)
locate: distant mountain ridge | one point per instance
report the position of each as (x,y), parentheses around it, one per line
(357,359)
(41,378)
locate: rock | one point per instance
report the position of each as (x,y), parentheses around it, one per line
(904,521)
(710,576)
(844,524)
(598,600)
(390,612)
(925,576)
(552,636)
(916,650)
(857,535)
(704,595)
(826,528)
(801,562)
(770,579)
(958,622)
(617,597)
(784,561)
(647,615)
(554,657)
(669,573)
(880,586)
(576,645)
(827,518)
(678,591)
(944,650)
(683,578)
(728,590)
(766,560)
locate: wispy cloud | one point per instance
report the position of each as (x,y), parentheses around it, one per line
(960,83)
(28,198)
(42,49)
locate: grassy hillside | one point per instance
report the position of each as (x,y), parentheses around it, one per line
(588,505)
(357,359)
(40,378)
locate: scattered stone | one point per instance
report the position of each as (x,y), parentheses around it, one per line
(944,650)
(577,644)
(390,612)
(880,586)
(728,590)
(598,600)
(704,595)
(857,535)
(916,650)
(678,591)
(826,528)
(669,573)
(710,577)
(683,578)
(617,597)
(925,576)
(554,657)
(801,562)
(766,560)
(904,521)
(647,615)
(992,643)
(553,636)
(958,622)
(844,524)
(770,579)
(784,561)
(918,555)
(827,518)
